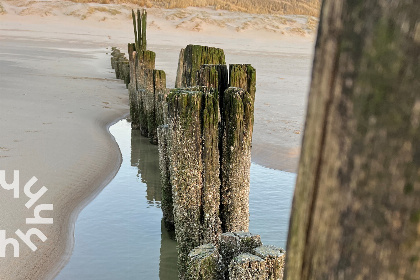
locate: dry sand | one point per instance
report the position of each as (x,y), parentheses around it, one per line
(58,95)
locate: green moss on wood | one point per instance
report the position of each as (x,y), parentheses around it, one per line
(203,263)
(193,57)
(236,134)
(133,15)
(143,30)
(243,76)
(139,32)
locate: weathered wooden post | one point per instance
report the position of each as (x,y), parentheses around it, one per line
(190,60)
(194,168)
(243,76)
(186,170)
(247,266)
(233,244)
(213,76)
(140,24)
(211,167)
(142,101)
(356,207)
(203,263)
(154,119)
(126,72)
(145,63)
(132,87)
(161,93)
(131,59)
(119,58)
(114,53)
(143,30)
(136,42)
(164,166)
(236,133)
(146,101)
(139,32)
(274,260)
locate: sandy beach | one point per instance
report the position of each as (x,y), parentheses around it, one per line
(59,95)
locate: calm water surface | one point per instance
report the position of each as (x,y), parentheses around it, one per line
(120,234)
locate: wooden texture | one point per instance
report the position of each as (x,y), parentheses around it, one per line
(356,208)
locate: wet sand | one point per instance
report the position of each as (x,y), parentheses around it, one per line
(59,96)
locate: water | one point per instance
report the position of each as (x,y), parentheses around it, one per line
(120,234)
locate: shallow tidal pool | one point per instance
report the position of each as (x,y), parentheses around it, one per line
(120,234)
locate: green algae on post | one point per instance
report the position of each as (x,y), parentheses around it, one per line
(243,76)
(190,60)
(194,168)
(234,243)
(154,112)
(185,169)
(211,167)
(214,76)
(203,263)
(236,159)
(139,25)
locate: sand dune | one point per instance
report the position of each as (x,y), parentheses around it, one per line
(190,19)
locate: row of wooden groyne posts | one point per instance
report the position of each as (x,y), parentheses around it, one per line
(204,131)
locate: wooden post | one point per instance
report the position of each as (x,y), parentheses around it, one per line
(243,76)
(236,159)
(211,167)
(143,30)
(139,32)
(136,42)
(164,166)
(247,266)
(214,76)
(356,207)
(114,54)
(144,64)
(146,98)
(154,120)
(203,263)
(132,64)
(190,60)
(194,168)
(274,260)
(233,244)
(186,169)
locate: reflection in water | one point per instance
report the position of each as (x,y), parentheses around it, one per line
(168,255)
(120,234)
(146,157)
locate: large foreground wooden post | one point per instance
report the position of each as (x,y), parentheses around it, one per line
(356,208)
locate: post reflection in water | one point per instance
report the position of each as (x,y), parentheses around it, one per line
(118,235)
(145,157)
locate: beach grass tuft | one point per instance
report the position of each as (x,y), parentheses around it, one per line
(2,10)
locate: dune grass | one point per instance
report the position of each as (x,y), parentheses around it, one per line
(2,10)
(296,7)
